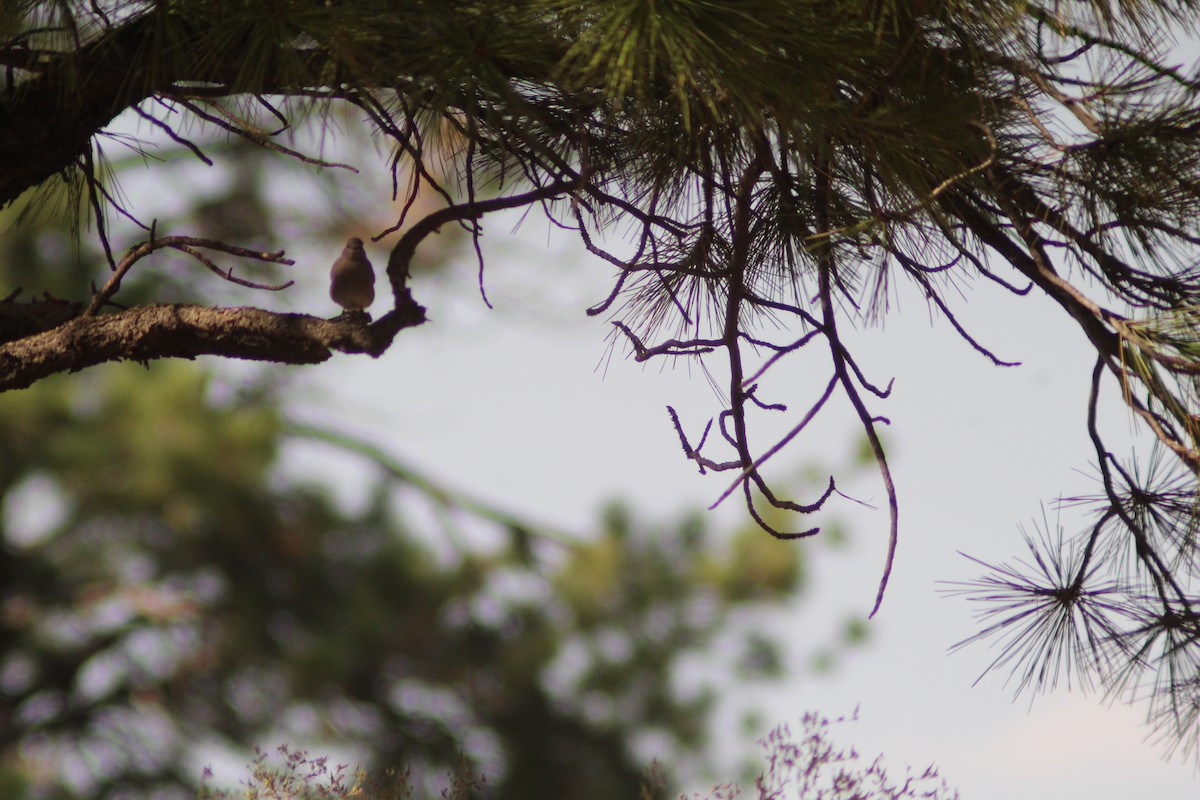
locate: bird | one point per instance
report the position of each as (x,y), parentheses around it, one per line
(351,280)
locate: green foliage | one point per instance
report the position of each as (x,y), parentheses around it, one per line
(184,595)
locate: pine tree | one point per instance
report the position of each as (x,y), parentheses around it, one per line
(770,168)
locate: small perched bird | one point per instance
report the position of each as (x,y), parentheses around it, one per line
(352,281)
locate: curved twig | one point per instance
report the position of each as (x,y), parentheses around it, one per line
(186,244)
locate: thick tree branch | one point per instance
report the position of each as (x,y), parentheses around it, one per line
(81,91)
(112,74)
(186,331)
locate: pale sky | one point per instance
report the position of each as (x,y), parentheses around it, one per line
(520,406)
(510,405)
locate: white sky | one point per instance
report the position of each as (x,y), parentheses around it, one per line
(509,404)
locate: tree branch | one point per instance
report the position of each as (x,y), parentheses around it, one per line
(185,331)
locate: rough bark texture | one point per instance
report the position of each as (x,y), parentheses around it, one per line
(46,125)
(186,331)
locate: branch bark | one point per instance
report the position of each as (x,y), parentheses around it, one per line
(186,331)
(49,120)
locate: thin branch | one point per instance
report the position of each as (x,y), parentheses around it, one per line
(240,128)
(228,275)
(400,259)
(671,347)
(1159,572)
(187,244)
(172,134)
(826,266)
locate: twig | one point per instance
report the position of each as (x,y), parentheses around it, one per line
(187,244)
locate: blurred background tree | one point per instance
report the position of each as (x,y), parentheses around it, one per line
(169,599)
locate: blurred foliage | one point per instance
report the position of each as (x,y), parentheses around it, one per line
(808,765)
(163,589)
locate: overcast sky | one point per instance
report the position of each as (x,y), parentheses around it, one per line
(520,406)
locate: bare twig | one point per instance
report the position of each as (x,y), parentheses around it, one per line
(189,245)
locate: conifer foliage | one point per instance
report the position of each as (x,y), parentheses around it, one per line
(763,171)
